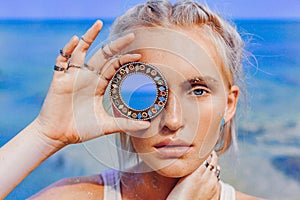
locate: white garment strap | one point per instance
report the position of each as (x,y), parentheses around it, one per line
(112,190)
(111,181)
(227,192)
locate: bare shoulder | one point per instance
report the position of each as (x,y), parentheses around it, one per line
(242,196)
(87,187)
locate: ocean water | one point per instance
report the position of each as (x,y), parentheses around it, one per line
(268,160)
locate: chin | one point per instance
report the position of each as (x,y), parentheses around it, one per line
(178,169)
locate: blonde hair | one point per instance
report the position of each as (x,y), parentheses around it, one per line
(228,42)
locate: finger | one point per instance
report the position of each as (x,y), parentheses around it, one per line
(88,38)
(110,69)
(114,64)
(214,162)
(213,169)
(98,59)
(61,61)
(209,158)
(117,45)
(125,125)
(127,58)
(214,159)
(79,52)
(202,168)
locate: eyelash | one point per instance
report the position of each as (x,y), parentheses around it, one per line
(204,90)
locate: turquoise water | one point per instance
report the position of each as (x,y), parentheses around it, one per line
(268,132)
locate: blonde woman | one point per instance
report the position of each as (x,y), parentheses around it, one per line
(176,152)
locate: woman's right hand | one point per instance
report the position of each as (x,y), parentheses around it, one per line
(73,110)
(202,184)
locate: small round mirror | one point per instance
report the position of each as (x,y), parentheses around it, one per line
(138,91)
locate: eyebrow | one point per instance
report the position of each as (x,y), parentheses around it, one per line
(207,80)
(200,79)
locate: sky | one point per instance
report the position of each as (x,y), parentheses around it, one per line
(92,9)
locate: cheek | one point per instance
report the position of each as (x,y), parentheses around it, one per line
(198,115)
(140,144)
(203,119)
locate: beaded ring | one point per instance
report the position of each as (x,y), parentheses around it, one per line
(140,68)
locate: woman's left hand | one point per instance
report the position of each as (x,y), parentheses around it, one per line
(201,184)
(73,110)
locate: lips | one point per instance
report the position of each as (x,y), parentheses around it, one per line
(172,148)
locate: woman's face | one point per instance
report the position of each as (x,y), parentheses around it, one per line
(185,133)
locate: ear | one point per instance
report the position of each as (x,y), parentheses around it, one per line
(232,100)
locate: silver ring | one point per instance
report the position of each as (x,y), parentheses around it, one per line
(89,67)
(118,58)
(57,68)
(113,57)
(119,61)
(211,167)
(106,56)
(67,56)
(111,50)
(205,163)
(218,172)
(103,77)
(82,38)
(73,65)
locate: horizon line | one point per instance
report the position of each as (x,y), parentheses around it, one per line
(113,18)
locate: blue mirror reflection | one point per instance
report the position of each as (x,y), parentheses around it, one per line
(138,91)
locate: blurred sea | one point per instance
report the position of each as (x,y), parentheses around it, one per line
(268,161)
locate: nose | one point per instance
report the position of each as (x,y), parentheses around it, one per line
(172,119)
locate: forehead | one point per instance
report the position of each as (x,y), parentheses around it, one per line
(183,51)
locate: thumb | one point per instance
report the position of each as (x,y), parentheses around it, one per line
(125,125)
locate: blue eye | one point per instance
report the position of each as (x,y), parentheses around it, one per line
(198,92)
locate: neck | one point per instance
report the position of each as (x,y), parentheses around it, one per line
(150,185)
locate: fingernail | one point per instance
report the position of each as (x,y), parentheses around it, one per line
(75,37)
(97,24)
(98,21)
